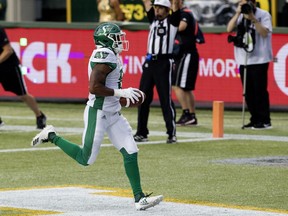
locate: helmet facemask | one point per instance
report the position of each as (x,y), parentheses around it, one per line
(119,42)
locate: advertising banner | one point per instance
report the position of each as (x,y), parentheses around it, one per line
(55,63)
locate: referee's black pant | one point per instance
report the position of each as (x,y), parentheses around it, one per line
(157,73)
(256,93)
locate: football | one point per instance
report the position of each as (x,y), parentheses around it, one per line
(126,102)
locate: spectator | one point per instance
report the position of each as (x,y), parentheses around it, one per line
(254,63)
(12,80)
(186,70)
(109,10)
(284,14)
(102,112)
(3,7)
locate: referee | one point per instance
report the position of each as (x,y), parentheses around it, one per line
(157,68)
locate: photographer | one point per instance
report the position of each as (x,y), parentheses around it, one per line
(253,59)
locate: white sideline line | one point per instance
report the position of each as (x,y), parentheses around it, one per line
(81,120)
(77,130)
(182,137)
(28,149)
(103,145)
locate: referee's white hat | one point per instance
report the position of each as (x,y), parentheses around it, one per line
(165,3)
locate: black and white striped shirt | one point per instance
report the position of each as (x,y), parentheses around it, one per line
(162,33)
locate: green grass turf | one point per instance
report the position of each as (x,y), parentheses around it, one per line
(184,171)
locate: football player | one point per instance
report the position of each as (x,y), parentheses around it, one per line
(102,112)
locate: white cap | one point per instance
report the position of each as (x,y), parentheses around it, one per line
(165,3)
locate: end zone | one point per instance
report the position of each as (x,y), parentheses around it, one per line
(90,200)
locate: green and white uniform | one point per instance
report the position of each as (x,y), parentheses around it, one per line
(113,79)
(102,113)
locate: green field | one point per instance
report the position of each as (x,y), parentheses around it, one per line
(188,172)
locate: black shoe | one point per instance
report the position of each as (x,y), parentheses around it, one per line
(262,126)
(183,120)
(192,121)
(140,138)
(249,125)
(171,140)
(1,122)
(187,119)
(41,121)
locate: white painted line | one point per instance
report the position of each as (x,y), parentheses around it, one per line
(182,137)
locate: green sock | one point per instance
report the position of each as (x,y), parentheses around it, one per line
(137,197)
(132,172)
(71,149)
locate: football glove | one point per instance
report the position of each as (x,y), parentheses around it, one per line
(131,93)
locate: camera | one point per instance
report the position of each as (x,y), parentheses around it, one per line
(247,8)
(237,40)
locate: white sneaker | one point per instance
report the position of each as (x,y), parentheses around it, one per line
(148,202)
(42,136)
